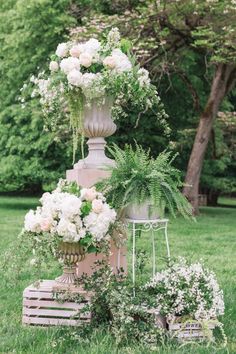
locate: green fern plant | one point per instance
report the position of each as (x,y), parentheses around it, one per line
(138,177)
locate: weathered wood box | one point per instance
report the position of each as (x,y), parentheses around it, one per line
(191,330)
(42,308)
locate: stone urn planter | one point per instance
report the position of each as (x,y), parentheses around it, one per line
(97,125)
(144,211)
(70,254)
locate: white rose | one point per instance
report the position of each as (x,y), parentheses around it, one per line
(76,50)
(88,194)
(97,206)
(75,78)
(61,50)
(53,66)
(69,64)
(110,62)
(86,59)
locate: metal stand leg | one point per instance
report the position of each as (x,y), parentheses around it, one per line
(153,254)
(133,261)
(167,242)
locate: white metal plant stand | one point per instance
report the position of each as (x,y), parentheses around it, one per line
(146,226)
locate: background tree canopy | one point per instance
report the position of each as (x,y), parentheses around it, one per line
(178,42)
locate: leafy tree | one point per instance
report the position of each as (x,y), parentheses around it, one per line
(30,31)
(165,33)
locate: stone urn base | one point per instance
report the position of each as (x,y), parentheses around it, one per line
(70,254)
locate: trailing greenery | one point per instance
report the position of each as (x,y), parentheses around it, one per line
(138,177)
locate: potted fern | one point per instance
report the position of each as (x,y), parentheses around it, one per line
(143,186)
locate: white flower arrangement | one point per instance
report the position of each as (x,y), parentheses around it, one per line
(71,215)
(188,290)
(81,72)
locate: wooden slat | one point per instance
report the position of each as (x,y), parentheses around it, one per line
(189,326)
(52,321)
(54,304)
(37,294)
(53,313)
(191,335)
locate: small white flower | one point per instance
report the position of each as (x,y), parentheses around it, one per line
(33,261)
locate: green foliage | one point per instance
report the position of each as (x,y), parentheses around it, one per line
(138,177)
(30,31)
(113,305)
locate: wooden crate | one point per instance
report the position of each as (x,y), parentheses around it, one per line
(42,308)
(191,331)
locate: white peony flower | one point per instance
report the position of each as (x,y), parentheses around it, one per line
(86,59)
(69,64)
(71,206)
(76,50)
(92,46)
(122,62)
(62,50)
(33,221)
(97,206)
(88,194)
(110,62)
(46,223)
(75,78)
(53,66)
(67,230)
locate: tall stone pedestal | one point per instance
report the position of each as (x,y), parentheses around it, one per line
(117,259)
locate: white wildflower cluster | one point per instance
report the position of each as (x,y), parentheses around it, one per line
(143,77)
(49,94)
(190,290)
(72,217)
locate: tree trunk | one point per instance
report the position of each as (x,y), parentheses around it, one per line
(223,81)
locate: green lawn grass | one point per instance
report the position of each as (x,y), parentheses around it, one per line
(211,238)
